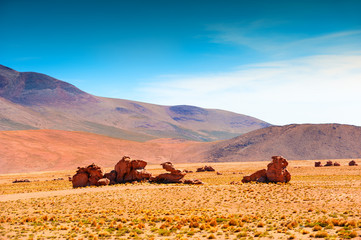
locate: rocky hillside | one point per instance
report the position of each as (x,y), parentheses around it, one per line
(31,100)
(295,142)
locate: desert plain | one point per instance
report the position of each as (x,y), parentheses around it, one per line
(317,203)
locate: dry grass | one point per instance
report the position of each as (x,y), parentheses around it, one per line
(317,203)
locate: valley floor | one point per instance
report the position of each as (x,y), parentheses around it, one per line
(317,203)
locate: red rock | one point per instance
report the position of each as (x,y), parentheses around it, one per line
(336,164)
(175,175)
(259,176)
(103,182)
(328,164)
(80,180)
(194,181)
(112,176)
(352,163)
(276,172)
(318,164)
(206,169)
(87,176)
(128,170)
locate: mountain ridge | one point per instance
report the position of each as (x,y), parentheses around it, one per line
(50,103)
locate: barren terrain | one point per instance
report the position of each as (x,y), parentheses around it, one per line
(317,203)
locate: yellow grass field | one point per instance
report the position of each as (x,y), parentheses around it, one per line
(317,203)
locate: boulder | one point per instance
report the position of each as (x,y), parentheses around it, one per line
(336,164)
(328,164)
(276,172)
(103,182)
(128,170)
(352,163)
(112,176)
(87,176)
(206,169)
(318,164)
(194,181)
(80,180)
(175,175)
(259,176)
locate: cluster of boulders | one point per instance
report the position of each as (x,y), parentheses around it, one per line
(276,172)
(127,170)
(206,169)
(330,163)
(21,180)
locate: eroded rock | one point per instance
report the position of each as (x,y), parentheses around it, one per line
(128,170)
(87,176)
(328,164)
(276,172)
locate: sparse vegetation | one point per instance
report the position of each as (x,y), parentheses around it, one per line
(321,203)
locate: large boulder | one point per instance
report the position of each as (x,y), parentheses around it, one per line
(128,170)
(87,176)
(276,172)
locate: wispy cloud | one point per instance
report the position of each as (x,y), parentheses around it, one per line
(317,89)
(273,41)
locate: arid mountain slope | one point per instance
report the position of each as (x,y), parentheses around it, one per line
(295,142)
(36,101)
(48,150)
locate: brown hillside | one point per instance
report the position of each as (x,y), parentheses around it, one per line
(301,142)
(48,150)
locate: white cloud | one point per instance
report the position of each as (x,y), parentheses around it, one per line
(316,89)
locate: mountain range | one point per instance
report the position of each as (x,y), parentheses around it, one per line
(30,100)
(47,124)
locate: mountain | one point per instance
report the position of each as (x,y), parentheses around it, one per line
(295,142)
(31,100)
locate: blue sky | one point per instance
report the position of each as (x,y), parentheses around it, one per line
(280,61)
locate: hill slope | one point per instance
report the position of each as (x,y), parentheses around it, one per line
(36,101)
(50,150)
(295,142)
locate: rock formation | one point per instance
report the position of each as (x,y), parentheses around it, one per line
(87,176)
(206,169)
(128,170)
(328,164)
(174,175)
(276,172)
(318,164)
(336,164)
(352,163)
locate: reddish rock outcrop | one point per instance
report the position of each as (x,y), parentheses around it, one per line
(259,176)
(87,176)
(328,164)
(336,164)
(206,169)
(175,176)
(352,163)
(318,164)
(276,172)
(128,170)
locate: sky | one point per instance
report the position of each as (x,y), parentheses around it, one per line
(283,62)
